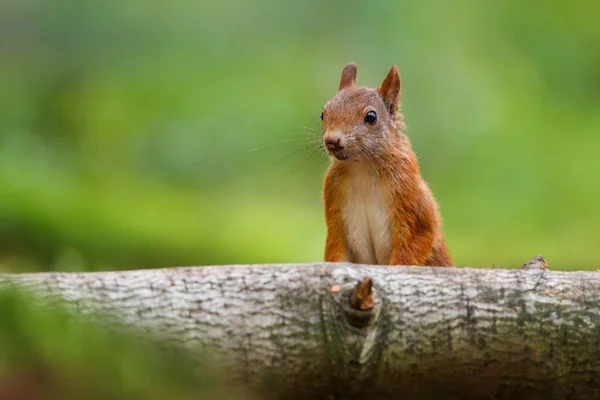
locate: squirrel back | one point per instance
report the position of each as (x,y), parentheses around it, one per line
(378,208)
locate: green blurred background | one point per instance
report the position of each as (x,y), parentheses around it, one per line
(126,130)
(126,126)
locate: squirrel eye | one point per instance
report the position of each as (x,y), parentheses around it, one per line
(371,117)
(321,116)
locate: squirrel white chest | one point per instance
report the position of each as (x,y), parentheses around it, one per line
(366,218)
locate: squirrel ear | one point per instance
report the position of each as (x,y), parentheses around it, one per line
(390,90)
(348,76)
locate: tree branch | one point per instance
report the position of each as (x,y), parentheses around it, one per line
(309,331)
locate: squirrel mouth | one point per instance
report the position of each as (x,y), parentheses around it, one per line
(340,155)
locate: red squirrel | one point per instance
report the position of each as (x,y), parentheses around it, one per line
(378,208)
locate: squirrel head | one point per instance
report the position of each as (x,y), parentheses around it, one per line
(360,121)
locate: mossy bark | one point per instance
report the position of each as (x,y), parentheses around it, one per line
(287,331)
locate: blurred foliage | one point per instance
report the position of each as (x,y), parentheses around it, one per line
(46,354)
(125,127)
(126,130)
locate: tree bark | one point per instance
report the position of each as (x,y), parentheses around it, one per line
(289,331)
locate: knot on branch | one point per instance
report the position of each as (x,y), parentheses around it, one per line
(358,302)
(362,298)
(537,262)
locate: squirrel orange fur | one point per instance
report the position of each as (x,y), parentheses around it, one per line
(378,208)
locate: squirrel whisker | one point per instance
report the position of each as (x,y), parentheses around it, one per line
(291,153)
(312,153)
(364,152)
(285,141)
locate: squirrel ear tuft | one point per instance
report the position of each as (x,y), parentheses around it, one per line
(390,90)
(348,76)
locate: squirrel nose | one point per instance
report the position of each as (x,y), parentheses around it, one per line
(334,143)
